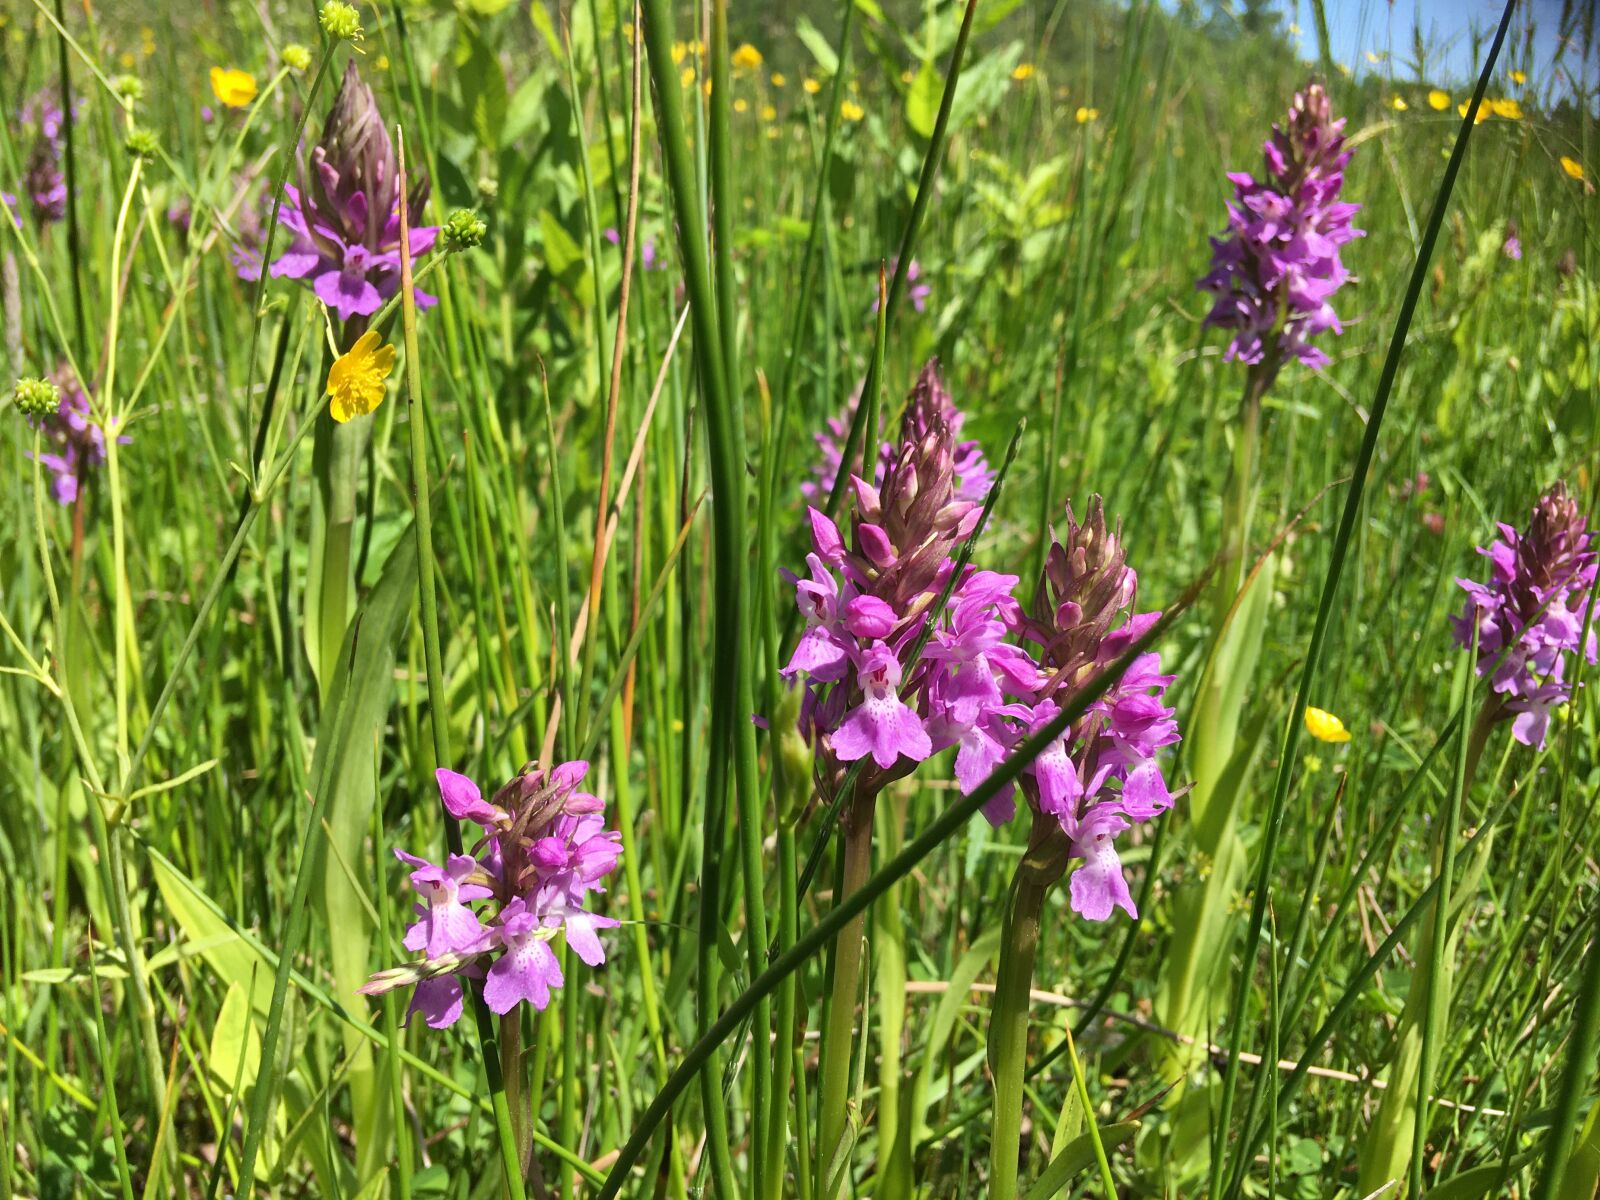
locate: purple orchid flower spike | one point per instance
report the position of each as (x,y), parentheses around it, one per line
(1275,271)
(77,443)
(544,850)
(1531,614)
(42,177)
(345,215)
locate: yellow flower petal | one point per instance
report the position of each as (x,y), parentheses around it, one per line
(851,111)
(1324,726)
(232,87)
(1483,111)
(1518,78)
(1506,110)
(777,79)
(355,381)
(1398,104)
(740,105)
(1572,167)
(746,58)
(1022,71)
(812,87)
(1084,115)
(1439,101)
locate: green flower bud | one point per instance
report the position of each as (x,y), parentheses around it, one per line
(791,758)
(488,188)
(340,21)
(142,143)
(463,230)
(296,57)
(36,397)
(129,88)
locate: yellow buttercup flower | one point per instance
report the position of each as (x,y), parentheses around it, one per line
(679,51)
(906,76)
(686,77)
(769,113)
(1374,57)
(1483,111)
(1022,71)
(851,111)
(1085,114)
(777,79)
(1439,101)
(355,382)
(746,58)
(233,88)
(1572,167)
(1506,110)
(812,87)
(740,105)
(1324,726)
(1518,78)
(1398,104)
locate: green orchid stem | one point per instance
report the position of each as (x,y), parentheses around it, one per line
(839,1036)
(1008,1028)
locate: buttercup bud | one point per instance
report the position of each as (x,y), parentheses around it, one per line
(36,397)
(296,57)
(463,230)
(142,143)
(340,21)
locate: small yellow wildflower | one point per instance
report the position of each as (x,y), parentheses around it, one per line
(1085,114)
(777,79)
(706,88)
(851,111)
(741,105)
(1398,104)
(381,63)
(1022,71)
(1324,726)
(1374,57)
(1506,110)
(1483,111)
(746,58)
(1438,101)
(126,60)
(1294,29)
(686,77)
(906,76)
(769,113)
(356,380)
(773,133)
(1518,78)
(1572,167)
(680,51)
(233,88)
(812,87)
(627,32)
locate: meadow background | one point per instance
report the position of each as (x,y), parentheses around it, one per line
(208,748)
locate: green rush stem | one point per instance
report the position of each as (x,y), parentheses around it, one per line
(783,1066)
(438,700)
(730,678)
(1436,1014)
(849,908)
(119,540)
(1008,1036)
(839,1036)
(1273,828)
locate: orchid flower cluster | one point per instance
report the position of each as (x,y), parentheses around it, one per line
(345,215)
(1278,266)
(544,849)
(77,442)
(42,177)
(882,685)
(1531,614)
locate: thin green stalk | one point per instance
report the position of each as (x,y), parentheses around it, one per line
(70,155)
(1008,1027)
(1273,828)
(1578,1076)
(839,1038)
(825,931)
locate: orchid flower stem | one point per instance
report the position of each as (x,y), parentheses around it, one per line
(1008,1028)
(438,702)
(839,1035)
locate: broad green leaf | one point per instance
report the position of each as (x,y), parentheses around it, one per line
(235,1052)
(483,88)
(234,961)
(821,50)
(922,102)
(1078,1157)
(561,253)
